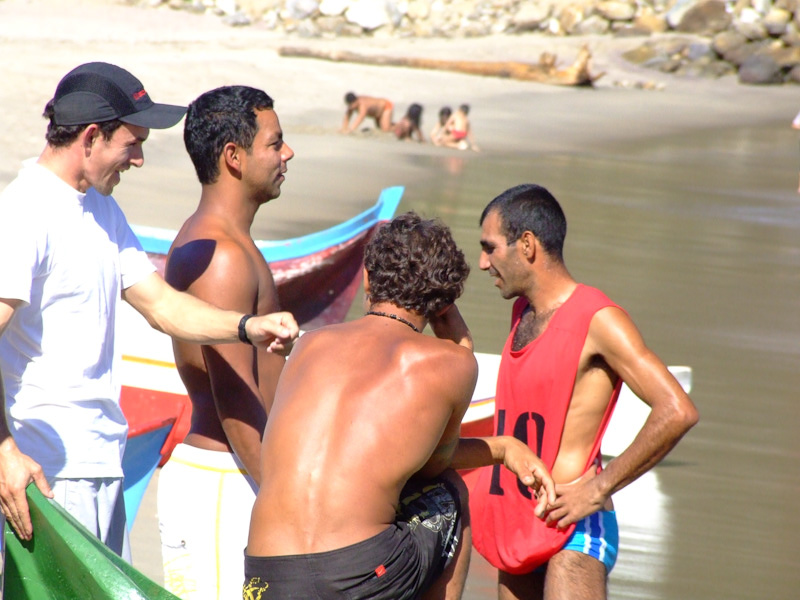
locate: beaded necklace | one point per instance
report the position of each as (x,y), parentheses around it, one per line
(395,317)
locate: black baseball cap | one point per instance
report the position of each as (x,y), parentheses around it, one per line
(98,92)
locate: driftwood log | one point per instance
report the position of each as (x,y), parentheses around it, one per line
(543,72)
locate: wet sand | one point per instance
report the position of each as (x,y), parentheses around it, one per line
(179,55)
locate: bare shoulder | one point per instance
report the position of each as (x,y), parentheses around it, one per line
(448,350)
(422,358)
(454,367)
(207,257)
(611,327)
(614,336)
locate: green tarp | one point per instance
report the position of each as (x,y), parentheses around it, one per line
(64,561)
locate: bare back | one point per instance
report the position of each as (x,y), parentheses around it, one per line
(458,122)
(231,386)
(379,109)
(360,408)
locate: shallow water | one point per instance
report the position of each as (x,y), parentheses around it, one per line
(698,237)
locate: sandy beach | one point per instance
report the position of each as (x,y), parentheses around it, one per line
(179,55)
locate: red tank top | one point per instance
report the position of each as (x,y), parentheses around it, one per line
(534,389)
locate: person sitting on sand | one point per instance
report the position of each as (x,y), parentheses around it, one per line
(458,132)
(379,109)
(440,128)
(406,127)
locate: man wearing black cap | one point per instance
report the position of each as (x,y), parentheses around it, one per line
(68,257)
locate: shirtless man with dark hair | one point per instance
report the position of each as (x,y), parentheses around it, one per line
(208,487)
(362,107)
(360,498)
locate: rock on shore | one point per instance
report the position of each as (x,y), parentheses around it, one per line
(758,39)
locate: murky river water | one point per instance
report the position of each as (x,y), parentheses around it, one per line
(699,239)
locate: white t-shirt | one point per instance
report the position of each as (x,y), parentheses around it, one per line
(67,256)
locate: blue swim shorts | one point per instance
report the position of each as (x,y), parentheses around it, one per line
(598,536)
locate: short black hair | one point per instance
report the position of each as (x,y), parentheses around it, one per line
(414,263)
(530,207)
(217,117)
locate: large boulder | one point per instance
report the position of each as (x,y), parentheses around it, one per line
(727,42)
(613,10)
(776,21)
(760,69)
(368,15)
(794,75)
(418,10)
(333,8)
(740,54)
(570,16)
(784,57)
(678,10)
(649,21)
(593,25)
(301,9)
(531,16)
(705,18)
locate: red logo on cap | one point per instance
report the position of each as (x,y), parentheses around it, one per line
(139,94)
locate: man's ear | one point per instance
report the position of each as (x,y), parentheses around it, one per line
(231,156)
(366,281)
(527,243)
(89,136)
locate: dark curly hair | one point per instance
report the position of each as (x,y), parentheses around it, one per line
(60,136)
(225,114)
(414,264)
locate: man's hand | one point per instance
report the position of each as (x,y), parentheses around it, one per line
(275,332)
(576,500)
(529,468)
(450,325)
(17,470)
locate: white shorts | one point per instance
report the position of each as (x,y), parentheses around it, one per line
(99,504)
(204,505)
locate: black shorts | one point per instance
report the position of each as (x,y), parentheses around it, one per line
(399,563)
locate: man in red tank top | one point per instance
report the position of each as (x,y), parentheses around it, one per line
(569,351)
